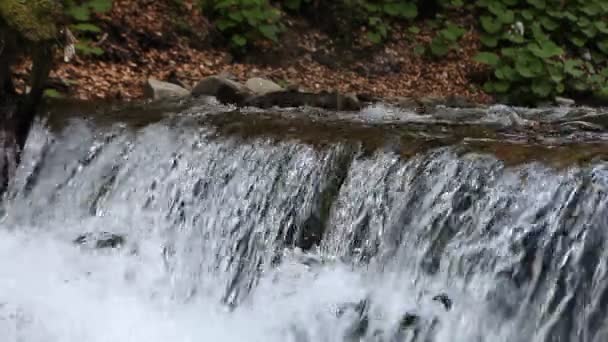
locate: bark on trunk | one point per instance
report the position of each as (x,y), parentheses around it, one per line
(17,113)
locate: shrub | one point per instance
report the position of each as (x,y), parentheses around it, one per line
(80,13)
(345,17)
(538,49)
(244,22)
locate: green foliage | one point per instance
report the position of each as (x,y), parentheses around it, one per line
(538,49)
(80,13)
(381,13)
(348,16)
(35,20)
(244,22)
(446,40)
(52,94)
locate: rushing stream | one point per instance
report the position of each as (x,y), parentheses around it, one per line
(240,228)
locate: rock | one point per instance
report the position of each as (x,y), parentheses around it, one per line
(458,102)
(225,90)
(332,101)
(368,98)
(408,320)
(261,86)
(213,84)
(444,300)
(573,126)
(431,101)
(358,328)
(563,101)
(156,90)
(102,240)
(405,102)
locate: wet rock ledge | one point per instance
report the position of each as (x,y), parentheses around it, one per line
(263,93)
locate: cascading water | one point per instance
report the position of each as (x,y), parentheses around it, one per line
(232,238)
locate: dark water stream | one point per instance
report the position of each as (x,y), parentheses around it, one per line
(292,226)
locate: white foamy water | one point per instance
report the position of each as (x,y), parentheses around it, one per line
(213,227)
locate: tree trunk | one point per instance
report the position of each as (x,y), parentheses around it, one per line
(17,112)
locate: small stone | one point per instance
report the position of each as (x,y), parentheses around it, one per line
(564,101)
(405,102)
(348,102)
(102,240)
(431,101)
(156,90)
(261,86)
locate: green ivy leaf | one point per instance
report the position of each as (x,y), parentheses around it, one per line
(374,37)
(603,46)
(408,10)
(269,32)
(549,23)
(506,72)
(538,33)
(86,48)
(236,16)
(507,17)
(452,32)
(501,87)
(80,13)
(545,49)
(591,9)
(571,67)
(589,31)
(439,47)
(527,14)
(52,93)
(488,40)
(225,24)
(86,27)
(488,58)
(414,29)
(239,40)
(100,6)
(419,50)
(601,26)
(540,4)
(490,25)
(578,41)
(556,73)
(542,88)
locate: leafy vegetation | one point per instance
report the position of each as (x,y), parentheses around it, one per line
(538,49)
(80,14)
(244,22)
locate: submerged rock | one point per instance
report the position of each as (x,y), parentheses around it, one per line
(326,100)
(157,90)
(408,321)
(261,86)
(101,240)
(444,300)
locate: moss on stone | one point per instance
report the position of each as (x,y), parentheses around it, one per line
(34,20)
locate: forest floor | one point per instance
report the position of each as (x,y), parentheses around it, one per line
(170,42)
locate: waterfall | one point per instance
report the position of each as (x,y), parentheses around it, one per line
(272,237)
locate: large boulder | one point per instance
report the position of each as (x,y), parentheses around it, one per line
(212,85)
(261,86)
(225,90)
(156,90)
